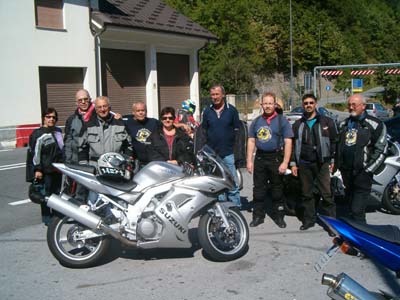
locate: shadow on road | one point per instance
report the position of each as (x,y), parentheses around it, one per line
(120,251)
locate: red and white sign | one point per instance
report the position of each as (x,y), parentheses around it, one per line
(362,72)
(392,71)
(331,73)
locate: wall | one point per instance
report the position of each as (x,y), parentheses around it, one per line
(25,48)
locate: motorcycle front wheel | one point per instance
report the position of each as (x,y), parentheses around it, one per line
(63,239)
(220,243)
(391,198)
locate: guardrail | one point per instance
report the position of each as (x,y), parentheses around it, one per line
(16,137)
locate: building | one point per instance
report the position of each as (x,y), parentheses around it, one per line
(125,49)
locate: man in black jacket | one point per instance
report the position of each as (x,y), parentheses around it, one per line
(74,127)
(313,158)
(75,124)
(140,127)
(361,150)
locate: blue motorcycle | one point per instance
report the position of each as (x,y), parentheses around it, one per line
(380,243)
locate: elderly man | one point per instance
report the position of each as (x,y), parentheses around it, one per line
(75,124)
(221,128)
(361,150)
(140,127)
(103,134)
(73,128)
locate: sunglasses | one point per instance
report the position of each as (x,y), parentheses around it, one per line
(51,117)
(167,118)
(83,100)
(309,103)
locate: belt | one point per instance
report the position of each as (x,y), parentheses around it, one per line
(262,152)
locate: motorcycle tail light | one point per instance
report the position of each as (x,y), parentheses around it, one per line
(348,249)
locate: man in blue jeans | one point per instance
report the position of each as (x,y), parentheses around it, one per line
(221,125)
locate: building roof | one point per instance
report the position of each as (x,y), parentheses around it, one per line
(149,15)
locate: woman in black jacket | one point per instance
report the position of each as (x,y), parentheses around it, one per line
(45,147)
(169,143)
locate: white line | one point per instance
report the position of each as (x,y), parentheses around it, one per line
(10,168)
(17,164)
(19,202)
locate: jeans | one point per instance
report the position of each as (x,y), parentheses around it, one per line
(234,194)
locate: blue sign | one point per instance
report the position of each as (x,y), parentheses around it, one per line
(357,85)
(328,88)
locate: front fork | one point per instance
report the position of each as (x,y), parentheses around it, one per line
(222,212)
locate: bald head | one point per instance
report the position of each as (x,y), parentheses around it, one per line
(82,98)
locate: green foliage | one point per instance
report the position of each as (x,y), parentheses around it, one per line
(254,38)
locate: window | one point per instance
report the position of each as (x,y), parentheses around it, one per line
(49,14)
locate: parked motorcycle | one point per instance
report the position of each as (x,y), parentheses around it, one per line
(151,211)
(377,242)
(386,181)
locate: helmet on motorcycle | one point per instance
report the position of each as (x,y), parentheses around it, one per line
(37,191)
(113,166)
(189,106)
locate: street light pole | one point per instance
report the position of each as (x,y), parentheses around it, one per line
(291,54)
(319,43)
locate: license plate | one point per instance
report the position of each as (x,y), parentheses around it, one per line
(325,258)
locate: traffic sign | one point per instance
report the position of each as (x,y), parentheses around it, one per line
(357,85)
(328,88)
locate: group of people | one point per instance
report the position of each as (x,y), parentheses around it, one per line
(93,129)
(312,148)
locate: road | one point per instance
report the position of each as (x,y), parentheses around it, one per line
(14,190)
(278,265)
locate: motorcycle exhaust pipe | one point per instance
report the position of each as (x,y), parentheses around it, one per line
(344,287)
(87,218)
(75,212)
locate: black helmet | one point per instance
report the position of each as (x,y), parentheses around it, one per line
(37,191)
(114,166)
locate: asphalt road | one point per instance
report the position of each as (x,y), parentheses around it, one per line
(278,265)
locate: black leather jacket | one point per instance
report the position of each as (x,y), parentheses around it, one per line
(182,147)
(371,144)
(45,148)
(325,133)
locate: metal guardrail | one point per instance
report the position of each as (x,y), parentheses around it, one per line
(11,137)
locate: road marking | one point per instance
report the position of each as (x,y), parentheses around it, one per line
(12,166)
(20,202)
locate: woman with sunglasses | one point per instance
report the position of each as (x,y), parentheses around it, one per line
(169,143)
(45,147)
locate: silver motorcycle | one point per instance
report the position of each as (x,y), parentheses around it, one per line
(386,181)
(152,210)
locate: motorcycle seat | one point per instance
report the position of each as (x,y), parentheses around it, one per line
(122,185)
(84,168)
(389,233)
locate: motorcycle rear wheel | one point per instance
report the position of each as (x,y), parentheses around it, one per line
(391,199)
(62,241)
(222,245)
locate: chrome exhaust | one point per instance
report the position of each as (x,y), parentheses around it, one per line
(344,287)
(75,212)
(87,218)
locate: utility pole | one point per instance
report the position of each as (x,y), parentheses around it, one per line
(291,54)
(319,43)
